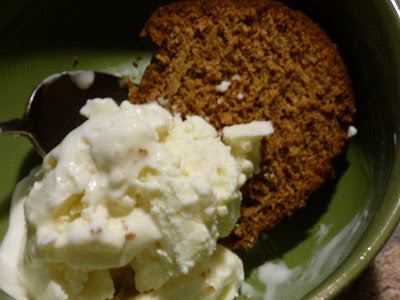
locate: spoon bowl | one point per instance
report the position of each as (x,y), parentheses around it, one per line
(53,108)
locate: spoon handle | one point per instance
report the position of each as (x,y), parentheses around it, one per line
(16,126)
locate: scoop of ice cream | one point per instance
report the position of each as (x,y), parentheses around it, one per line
(218,277)
(132,186)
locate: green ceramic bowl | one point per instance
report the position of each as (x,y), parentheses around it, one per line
(319,251)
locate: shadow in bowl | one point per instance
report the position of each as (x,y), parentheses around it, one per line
(31,160)
(271,245)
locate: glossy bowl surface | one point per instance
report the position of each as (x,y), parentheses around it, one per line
(323,247)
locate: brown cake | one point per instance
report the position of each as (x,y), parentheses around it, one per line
(237,61)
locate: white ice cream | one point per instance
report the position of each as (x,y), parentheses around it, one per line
(217,278)
(133,186)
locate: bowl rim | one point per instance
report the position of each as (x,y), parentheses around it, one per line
(354,266)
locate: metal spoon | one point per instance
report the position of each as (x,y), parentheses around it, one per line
(53,108)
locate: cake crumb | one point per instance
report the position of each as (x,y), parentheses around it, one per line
(240,96)
(143,151)
(210,288)
(130,235)
(124,225)
(75,60)
(220,100)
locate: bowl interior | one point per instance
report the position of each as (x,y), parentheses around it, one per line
(318,251)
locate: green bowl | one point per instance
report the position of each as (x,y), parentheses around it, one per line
(323,247)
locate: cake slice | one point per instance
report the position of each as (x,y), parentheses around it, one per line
(233,62)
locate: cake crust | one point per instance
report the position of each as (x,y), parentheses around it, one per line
(235,61)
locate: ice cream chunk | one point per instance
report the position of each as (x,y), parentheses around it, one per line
(245,140)
(131,187)
(218,278)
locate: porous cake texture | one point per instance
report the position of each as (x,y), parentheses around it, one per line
(233,62)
